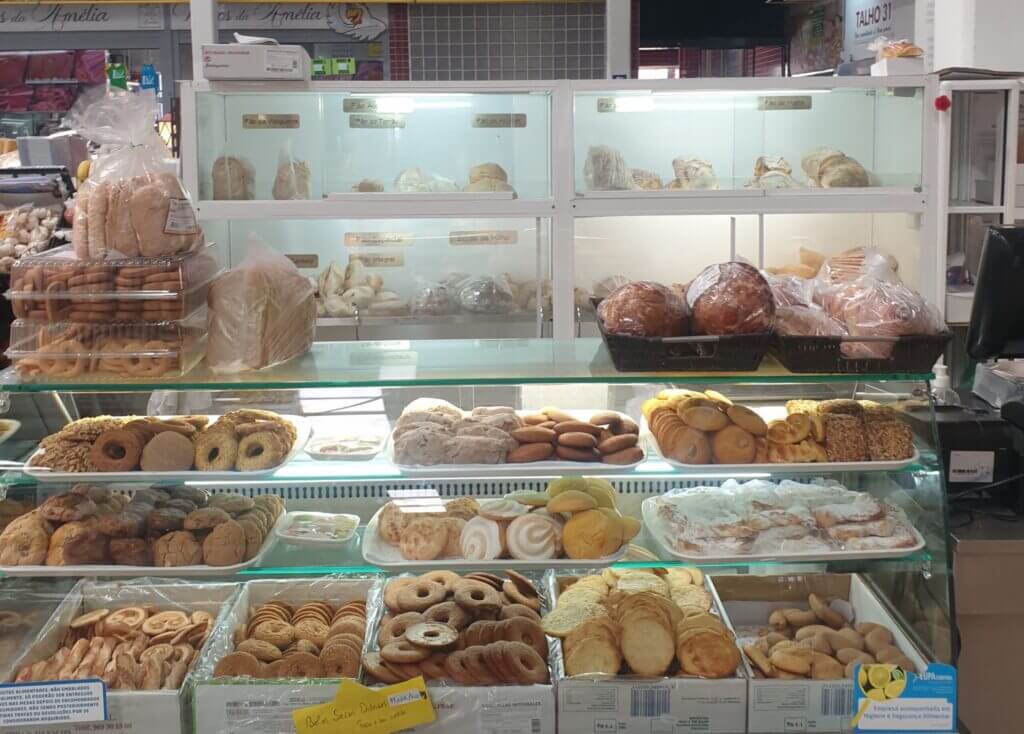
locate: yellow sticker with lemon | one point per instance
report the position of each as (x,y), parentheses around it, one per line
(890,698)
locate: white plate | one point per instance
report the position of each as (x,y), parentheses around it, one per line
(823,467)
(113,570)
(378,553)
(529,469)
(648,511)
(10,430)
(290,518)
(313,450)
(302,431)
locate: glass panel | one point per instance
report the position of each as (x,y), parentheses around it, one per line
(396,143)
(731,130)
(978,150)
(966,237)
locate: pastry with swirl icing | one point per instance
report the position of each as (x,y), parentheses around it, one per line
(482,540)
(534,537)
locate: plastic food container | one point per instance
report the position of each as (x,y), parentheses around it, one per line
(63,352)
(55,286)
(346,447)
(317,528)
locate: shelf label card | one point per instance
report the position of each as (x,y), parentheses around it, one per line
(787,102)
(499,119)
(260,121)
(357,708)
(887,699)
(378,239)
(606,104)
(971,466)
(305,261)
(359,104)
(56,702)
(385,121)
(380,261)
(483,237)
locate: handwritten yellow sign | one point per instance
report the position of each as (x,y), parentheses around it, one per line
(357,708)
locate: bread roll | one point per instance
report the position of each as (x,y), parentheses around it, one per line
(645,180)
(606,170)
(487,170)
(644,309)
(731,298)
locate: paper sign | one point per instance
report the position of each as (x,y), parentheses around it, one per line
(887,698)
(260,121)
(971,466)
(357,708)
(58,702)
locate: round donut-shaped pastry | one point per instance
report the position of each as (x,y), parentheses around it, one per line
(455,667)
(526,631)
(476,597)
(421,595)
(510,611)
(403,651)
(391,589)
(394,629)
(216,450)
(433,667)
(340,661)
(449,613)
(447,579)
(431,634)
(116,451)
(274,632)
(524,663)
(300,665)
(237,664)
(373,663)
(475,661)
(259,451)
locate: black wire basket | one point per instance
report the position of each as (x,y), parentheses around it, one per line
(914,354)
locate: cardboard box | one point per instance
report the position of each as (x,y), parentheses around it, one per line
(244,61)
(898,67)
(135,712)
(801,705)
(245,705)
(645,705)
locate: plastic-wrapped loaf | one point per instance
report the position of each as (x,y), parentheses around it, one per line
(829,168)
(487,295)
(261,313)
(418,181)
(292,178)
(233,179)
(434,299)
(731,298)
(644,309)
(606,170)
(693,173)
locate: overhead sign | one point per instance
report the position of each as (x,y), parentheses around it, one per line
(85,17)
(358,21)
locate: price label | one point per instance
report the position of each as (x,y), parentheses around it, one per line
(484,237)
(359,104)
(357,708)
(788,102)
(378,239)
(305,261)
(606,104)
(380,261)
(387,121)
(260,121)
(499,119)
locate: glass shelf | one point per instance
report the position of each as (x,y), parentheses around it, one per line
(446,362)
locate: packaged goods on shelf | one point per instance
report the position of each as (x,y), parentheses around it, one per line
(152,615)
(654,642)
(233,179)
(769,612)
(132,203)
(26,231)
(24,610)
(291,181)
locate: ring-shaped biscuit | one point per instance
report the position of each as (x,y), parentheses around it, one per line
(447,579)
(524,662)
(476,596)
(526,631)
(392,588)
(395,628)
(402,651)
(374,665)
(449,613)
(421,595)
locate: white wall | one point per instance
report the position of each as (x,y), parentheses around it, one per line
(982,33)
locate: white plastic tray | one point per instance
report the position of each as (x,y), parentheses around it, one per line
(113,570)
(302,431)
(313,446)
(281,529)
(823,467)
(381,554)
(532,468)
(649,511)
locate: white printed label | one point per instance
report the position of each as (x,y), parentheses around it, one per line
(971,466)
(281,61)
(60,702)
(399,699)
(516,717)
(915,714)
(181,219)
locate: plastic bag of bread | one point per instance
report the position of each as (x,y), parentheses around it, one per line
(233,179)
(644,309)
(731,298)
(806,320)
(870,306)
(260,314)
(132,203)
(434,299)
(487,295)
(292,178)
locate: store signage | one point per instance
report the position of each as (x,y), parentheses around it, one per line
(499,119)
(386,121)
(484,237)
(871,18)
(306,262)
(359,104)
(888,699)
(972,467)
(58,702)
(606,104)
(357,708)
(380,261)
(247,15)
(378,239)
(788,102)
(84,17)
(260,121)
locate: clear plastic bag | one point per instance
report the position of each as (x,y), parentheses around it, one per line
(132,203)
(261,313)
(434,299)
(886,49)
(292,178)
(871,307)
(730,298)
(806,320)
(487,295)
(233,179)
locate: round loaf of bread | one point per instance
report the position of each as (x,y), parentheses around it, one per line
(646,309)
(731,298)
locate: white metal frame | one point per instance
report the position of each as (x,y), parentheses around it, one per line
(565,204)
(957,307)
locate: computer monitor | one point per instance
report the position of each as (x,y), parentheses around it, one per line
(997,314)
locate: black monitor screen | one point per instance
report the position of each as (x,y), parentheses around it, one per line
(997,314)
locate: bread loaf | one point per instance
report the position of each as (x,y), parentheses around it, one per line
(606,170)
(644,309)
(233,179)
(731,298)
